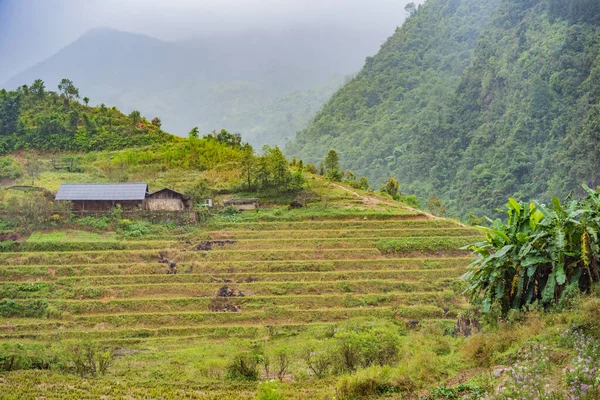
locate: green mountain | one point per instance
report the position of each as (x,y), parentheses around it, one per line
(474,101)
(249,82)
(32,117)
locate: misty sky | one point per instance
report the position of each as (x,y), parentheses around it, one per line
(32,30)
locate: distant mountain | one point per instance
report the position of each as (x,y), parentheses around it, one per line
(264,85)
(474,101)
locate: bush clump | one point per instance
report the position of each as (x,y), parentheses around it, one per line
(243,367)
(23,309)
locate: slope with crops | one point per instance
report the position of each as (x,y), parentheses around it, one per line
(183,309)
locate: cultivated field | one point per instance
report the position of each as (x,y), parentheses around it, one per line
(238,285)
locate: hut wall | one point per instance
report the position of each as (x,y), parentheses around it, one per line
(157,204)
(105,205)
(244,207)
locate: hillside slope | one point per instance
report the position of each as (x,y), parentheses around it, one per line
(276,280)
(33,117)
(473,101)
(232,81)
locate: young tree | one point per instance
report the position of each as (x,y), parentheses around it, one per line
(86,100)
(248,163)
(279,168)
(363,183)
(391,187)
(156,122)
(38,88)
(332,166)
(263,172)
(194,133)
(33,167)
(68,90)
(135,117)
(231,139)
(434,204)
(199,191)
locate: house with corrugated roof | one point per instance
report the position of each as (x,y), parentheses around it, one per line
(104,196)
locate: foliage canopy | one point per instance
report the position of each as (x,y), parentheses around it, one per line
(537,254)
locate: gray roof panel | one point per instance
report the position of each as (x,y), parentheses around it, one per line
(108,191)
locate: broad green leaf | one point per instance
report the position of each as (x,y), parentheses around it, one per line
(576,276)
(500,289)
(535,218)
(515,205)
(556,204)
(502,252)
(561,276)
(486,305)
(548,292)
(494,232)
(535,261)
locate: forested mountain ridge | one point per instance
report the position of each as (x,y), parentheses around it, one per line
(515,113)
(32,117)
(242,82)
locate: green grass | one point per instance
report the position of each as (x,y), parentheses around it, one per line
(296,276)
(70,236)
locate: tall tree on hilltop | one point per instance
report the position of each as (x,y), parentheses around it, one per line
(194,133)
(38,88)
(135,117)
(68,90)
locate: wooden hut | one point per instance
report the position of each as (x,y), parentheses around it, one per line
(242,204)
(166,200)
(103,197)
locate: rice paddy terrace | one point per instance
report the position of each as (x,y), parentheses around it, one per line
(229,286)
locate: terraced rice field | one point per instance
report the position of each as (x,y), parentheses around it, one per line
(258,279)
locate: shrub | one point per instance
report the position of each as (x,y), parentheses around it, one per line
(318,359)
(269,391)
(23,309)
(391,187)
(364,346)
(87,359)
(411,200)
(229,210)
(366,383)
(15,357)
(133,229)
(101,223)
(9,169)
(282,359)
(243,367)
(462,392)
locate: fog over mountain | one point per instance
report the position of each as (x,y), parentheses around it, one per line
(262,68)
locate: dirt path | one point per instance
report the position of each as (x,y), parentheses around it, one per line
(374,201)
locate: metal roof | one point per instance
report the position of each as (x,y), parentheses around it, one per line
(107,191)
(168,190)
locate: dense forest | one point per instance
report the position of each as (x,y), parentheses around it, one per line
(33,117)
(474,101)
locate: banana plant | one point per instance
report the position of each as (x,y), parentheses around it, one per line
(536,253)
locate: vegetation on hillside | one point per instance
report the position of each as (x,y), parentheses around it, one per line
(473,101)
(33,117)
(542,255)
